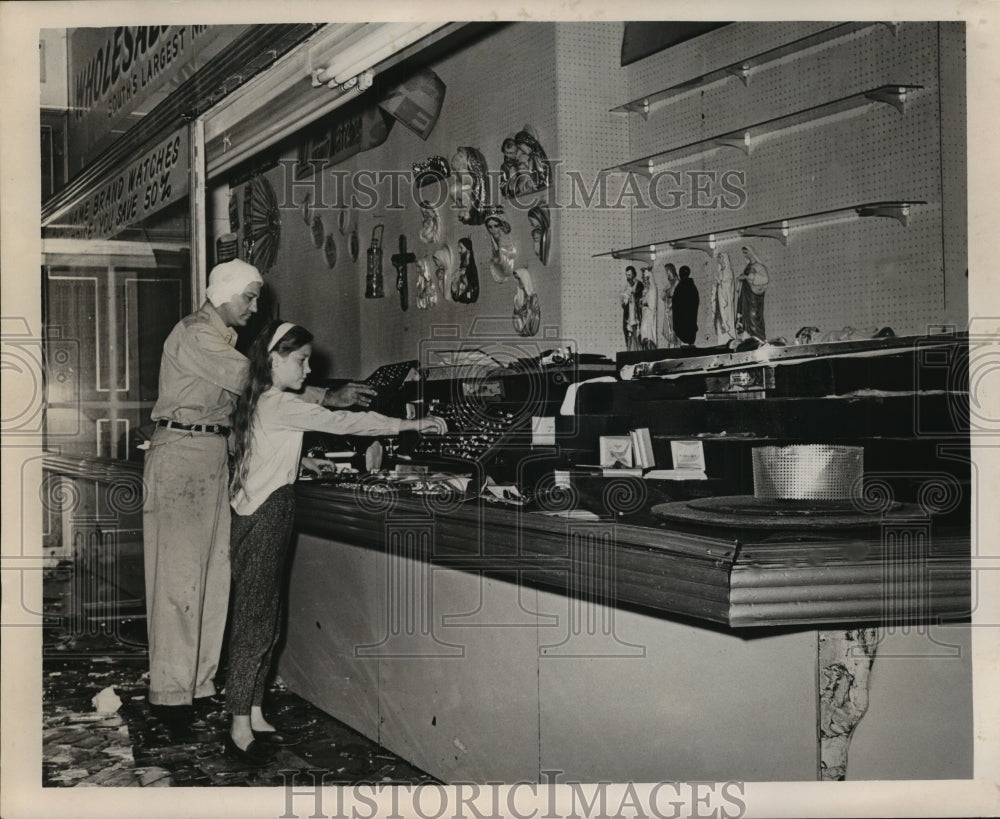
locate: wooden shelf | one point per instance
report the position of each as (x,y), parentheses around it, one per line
(744,139)
(779,229)
(743,69)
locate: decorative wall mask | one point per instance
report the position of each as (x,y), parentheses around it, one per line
(504,252)
(318,231)
(354,244)
(525,167)
(401,261)
(431,170)
(444,268)
(465,286)
(527,311)
(541,231)
(374,285)
(508,167)
(750,297)
(430,230)
(468,185)
(427,289)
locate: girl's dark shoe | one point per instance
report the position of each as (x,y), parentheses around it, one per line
(277,738)
(255,755)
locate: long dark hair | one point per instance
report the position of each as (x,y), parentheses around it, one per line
(257,383)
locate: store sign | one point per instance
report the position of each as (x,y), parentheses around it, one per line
(340,137)
(158,178)
(117,75)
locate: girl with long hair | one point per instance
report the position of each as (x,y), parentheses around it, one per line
(268,427)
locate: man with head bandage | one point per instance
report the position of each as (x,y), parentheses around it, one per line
(186,512)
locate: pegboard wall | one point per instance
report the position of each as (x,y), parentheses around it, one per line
(862,273)
(590,139)
(494,88)
(563,79)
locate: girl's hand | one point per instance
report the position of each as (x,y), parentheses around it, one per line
(316,466)
(432,424)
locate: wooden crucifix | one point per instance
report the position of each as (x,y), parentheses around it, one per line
(400,261)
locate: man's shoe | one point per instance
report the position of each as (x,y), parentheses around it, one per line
(176,719)
(255,755)
(205,707)
(172,714)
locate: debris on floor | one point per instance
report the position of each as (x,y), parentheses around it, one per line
(98,730)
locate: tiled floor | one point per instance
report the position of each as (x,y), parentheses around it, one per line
(126,746)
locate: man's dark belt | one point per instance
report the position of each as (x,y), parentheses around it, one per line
(217,429)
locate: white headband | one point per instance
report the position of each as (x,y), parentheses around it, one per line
(229,279)
(279,334)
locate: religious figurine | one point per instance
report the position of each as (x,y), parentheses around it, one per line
(430,230)
(527,311)
(508,167)
(685,304)
(750,301)
(806,335)
(504,252)
(647,317)
(465,286)
(444,268)
(723,298)
(532,163)
(427,289)
(469,185)
(630,307)
(538,217)
(668,338)
(401,261)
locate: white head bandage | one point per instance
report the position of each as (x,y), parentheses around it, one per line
(279,334)
(229,279)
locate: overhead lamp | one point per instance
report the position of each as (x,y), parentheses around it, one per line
(362,82)
(349,63)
